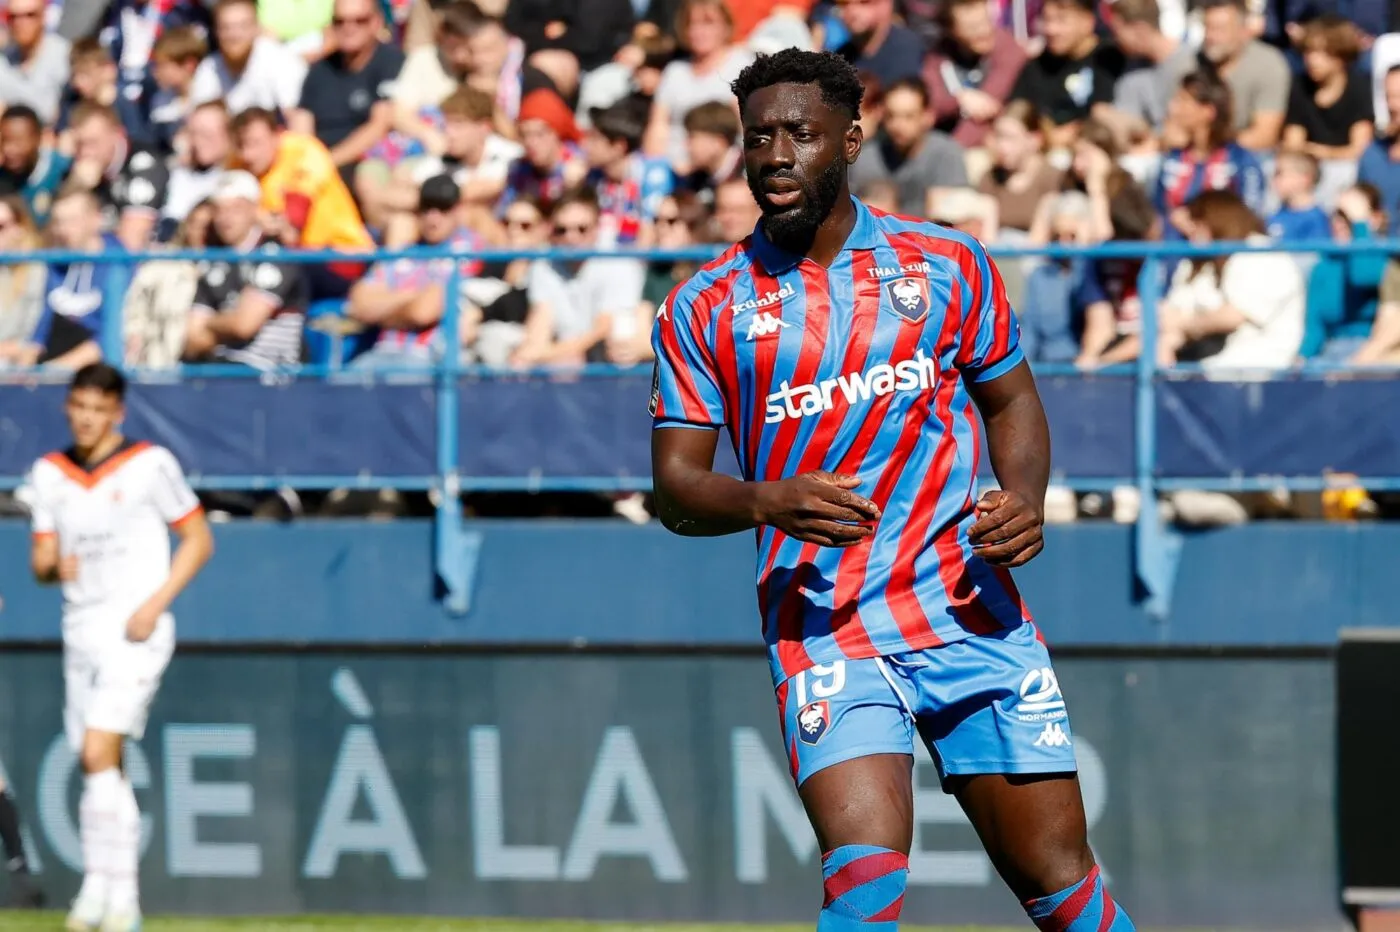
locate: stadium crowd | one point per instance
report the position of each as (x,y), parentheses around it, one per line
(342,124)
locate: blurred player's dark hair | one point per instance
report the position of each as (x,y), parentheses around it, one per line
(102,377)
(838,81)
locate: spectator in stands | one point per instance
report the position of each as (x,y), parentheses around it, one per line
(78,296)
(1076,73)
(193,180)
(1113,193)
(1160,61)
(129,181)
(681,222)
(878,44)
(704,29)
(500,300)
(1211,158)
(248,69)
(1382,346)
(27,166)
(971,71)
(1061,292)
(476,157)
(582,304)
(1020,177)
(93,79)
(552,163)
(635,74)
(304,200)
(21,283)
(629,185)
(1329,108)
(248,312)
(131,29)
(1257,75)
(1241,311)
(174,61)
(908,150)
(1298,218)
(345,98)
(712,149)
(34,66)
(1343,290)
(1113,327)
(564,38)
(736,212)
(966,211)
(406,300)
(1380,163)
(879,194)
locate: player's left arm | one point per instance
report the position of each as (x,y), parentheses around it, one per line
(1008,527)
(179,507)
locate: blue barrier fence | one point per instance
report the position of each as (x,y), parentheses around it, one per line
(453,427)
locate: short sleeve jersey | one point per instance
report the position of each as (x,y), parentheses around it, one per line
(114,516)
(860,368)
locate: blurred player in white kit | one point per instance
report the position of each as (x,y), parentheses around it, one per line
(102,512)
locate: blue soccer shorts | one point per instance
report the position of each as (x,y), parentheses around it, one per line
(987,704)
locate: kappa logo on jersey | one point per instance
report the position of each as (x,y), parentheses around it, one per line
(655,389)
(764,324)
(1040,699)
(813,721)
(910,298)
(909,375)
(1052,737)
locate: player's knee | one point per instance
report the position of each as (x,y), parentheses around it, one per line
(1057,865)
(864,883)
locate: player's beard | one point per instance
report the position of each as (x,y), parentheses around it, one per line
(793,228)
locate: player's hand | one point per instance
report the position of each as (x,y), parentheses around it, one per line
(1008,529)
(818,508)
(68,568)
(142,622)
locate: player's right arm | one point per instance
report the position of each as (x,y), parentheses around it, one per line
(694,500)
(45,558)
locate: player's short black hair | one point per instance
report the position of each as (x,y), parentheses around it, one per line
(835,76)
(104,378)
(27,114)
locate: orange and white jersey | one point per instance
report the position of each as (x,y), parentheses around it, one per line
(115,516)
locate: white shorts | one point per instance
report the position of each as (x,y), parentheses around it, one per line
(110,686)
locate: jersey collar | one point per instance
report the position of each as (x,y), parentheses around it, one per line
(864,235)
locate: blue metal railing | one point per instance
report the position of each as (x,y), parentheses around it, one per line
(1157,545)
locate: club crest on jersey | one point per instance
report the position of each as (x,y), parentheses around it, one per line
(909,297)
(813,721)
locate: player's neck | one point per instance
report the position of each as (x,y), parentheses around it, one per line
(831,236)
(100,450)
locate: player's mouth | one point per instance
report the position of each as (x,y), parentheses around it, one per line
(782,192)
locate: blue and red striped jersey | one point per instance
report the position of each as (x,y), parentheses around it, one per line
(861,368)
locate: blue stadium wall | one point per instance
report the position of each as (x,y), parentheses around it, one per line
(308,753)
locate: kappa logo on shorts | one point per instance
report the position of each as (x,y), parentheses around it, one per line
(1040,697)
(813,721)
(1053,736)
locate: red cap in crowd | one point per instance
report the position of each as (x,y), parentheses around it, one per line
(548,107)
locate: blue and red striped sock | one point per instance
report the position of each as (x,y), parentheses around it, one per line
(864,887)
(1084,907)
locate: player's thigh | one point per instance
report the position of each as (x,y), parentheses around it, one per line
(1032,826)
(79,672)
(849,738)
(128,678)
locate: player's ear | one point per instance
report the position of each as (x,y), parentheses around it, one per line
(855,137)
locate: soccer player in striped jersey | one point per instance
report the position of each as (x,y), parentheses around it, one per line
(102,512)
(848,353)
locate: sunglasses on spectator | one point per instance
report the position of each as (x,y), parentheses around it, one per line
(339,21)
(671,221)
(564,230)
(24,14)
(521,224)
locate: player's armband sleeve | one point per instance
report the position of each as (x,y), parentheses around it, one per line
(685,387)
(174,499)
(990,340)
